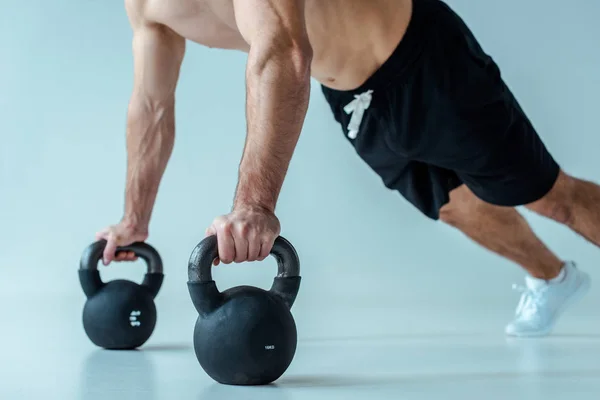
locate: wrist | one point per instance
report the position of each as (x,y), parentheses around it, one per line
(255,193)
(253,205)
(135,224)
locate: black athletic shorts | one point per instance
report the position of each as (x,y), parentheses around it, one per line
(437,114)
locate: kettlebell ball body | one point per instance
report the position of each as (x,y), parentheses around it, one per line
(244,335)
(120,314)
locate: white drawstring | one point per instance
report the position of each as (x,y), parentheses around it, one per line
(357,108)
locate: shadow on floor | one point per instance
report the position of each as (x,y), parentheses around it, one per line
(107,374)
(333,381)
(168,347)
(575,336)
(440,336)
(281,389)
(394,336)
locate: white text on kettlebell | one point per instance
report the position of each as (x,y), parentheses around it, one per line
(133,318)
(270,347)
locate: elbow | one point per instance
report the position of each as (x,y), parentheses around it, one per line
(299,53)
(151,112)
(291,54)
(143,105)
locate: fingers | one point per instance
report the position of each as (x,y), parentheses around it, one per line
(265,248)
(125,256)
(109,251)
(117,236)
(254,245)
(240,240)
(118,256)
(244,235)
(225,241)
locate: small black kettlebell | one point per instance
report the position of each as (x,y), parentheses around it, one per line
(245,335)
(120,314)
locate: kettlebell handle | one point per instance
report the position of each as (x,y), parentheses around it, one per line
(203,289)
(93,254)
(89,275)
(203,255)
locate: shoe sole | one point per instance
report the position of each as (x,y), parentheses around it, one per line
(578,294)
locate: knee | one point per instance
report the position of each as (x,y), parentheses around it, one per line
(462,208)
(451,216)
(558,203)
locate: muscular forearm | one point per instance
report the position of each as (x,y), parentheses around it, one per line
(278,88)
(150,137)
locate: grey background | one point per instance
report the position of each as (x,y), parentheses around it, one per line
(371,263)
(391,304)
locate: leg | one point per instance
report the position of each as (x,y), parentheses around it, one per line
(553,284)
(492,146)
(450,120)
(501,230)
(575,203)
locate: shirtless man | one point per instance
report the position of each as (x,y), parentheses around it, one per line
(415,95)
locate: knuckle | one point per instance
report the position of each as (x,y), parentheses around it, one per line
(268,236)
(225,226)
(243,228)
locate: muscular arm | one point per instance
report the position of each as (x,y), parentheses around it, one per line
(158,54)
(277,95)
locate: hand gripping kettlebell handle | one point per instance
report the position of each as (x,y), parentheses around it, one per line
(89,275)
(204,292)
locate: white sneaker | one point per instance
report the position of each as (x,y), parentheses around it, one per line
(542,302)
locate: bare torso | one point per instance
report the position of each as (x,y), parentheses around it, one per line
(350,38)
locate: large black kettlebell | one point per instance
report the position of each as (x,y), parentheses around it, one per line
(245,335)
(120,314)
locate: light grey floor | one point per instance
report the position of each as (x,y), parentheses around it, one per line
(345,352)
